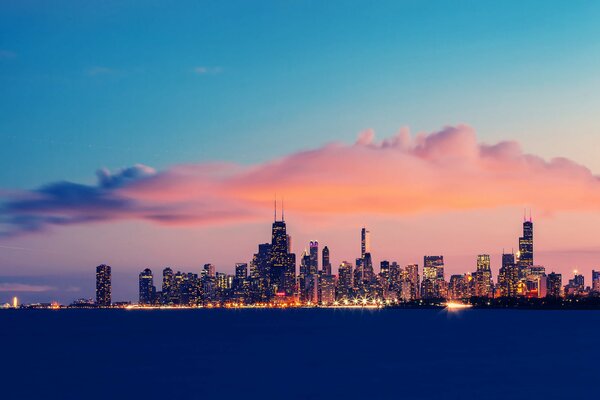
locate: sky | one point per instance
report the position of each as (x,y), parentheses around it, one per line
(153,134)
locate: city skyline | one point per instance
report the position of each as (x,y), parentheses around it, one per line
(434,133)
(273,275)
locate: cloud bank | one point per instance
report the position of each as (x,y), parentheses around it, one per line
(442,171)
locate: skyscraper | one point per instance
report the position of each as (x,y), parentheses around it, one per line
(412,275)
(384,270)
(433,277)
(368,271)
(260,274)
(554,285)
(327,289)
(326,264)
(508,276)
(595,281)
(345,281)
(526,245)
(457,289)
(146,286)
(103,286)
(167,286)
(483,277)
(240,281)
(282,263)
(313,247)
(396,277)
(365,242)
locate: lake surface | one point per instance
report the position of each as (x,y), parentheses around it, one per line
(299,354)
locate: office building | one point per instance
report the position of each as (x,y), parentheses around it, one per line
(103,286)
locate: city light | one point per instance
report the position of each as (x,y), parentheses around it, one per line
(452,305)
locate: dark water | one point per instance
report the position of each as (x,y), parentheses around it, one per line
(299,354)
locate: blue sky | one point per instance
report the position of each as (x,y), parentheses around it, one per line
(92,84)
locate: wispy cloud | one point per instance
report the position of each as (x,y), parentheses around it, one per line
(204,70)
(404,174)
(25,287)
(7,54)
(100,70)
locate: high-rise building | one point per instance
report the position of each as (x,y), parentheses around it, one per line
(326,264)
(327,289)
(103,286)
(189,288)
(313,247)
(260,274)
(367,265)
(508,277)
(412,276)
(384,270)
(282,264)
(526,245)
(483,276)
(365,242)
(385,284)
(469,284)
(595,281)
(542,286)
(177,289)
(146,286)
(576,286)
(345,283)
(241,270)
(167,286)
(554,285)
(396,276)
(433,277)
(457,288)
(240,284)
(309,273)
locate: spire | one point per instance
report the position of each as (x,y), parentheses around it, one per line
(275,208)
(282,210)
(530,219)
(525,215)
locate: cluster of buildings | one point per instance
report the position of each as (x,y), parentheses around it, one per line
(272,278)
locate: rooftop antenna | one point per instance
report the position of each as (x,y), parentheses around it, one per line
(282,210)
(530,219)
(524,214)
(275,208)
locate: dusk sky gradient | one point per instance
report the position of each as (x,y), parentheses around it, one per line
(153,134)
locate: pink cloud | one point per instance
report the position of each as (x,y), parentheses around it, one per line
(446,170)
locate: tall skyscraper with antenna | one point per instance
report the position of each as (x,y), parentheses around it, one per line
(282,263)
(526,244)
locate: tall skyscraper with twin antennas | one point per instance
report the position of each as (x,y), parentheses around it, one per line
(526,243)
(282,263)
